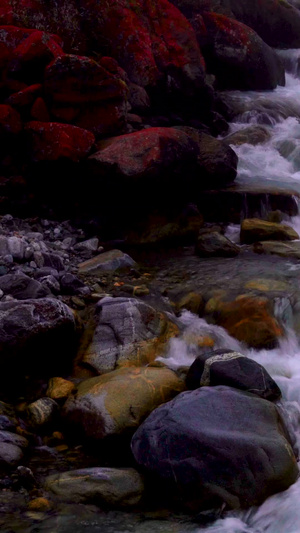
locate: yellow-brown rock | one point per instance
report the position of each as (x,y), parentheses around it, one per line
(59,388)
(39,504)
(192,302)
(249,319)
(255,229)
(119,401)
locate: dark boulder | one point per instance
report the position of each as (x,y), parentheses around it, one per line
(238,57)
(226,367)
(214,445)
(213,244)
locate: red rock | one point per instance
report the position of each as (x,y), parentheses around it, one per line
(10,121)
(52,141)
(82,92)
(39,110)
(10,38)
(26,96)
(149,38)
(145,153)
(239,57)
(37,50)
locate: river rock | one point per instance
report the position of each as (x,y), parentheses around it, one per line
(117,402)
(283,249)
(35,335)
(214,445)
(41,412)
(251,135)
(115,487)
(22,287)
(106,262)
(255,229)
(213,244)
(126,332)
(249,319)
(59,388)
(238,57)
(227,367)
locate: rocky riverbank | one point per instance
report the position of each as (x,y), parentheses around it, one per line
(116,209)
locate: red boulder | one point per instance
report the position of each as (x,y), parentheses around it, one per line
(82,92)
(52,141)
(10,121)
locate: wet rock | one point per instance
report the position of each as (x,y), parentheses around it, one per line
(107,261)
(53,141)
(214,445)
(254,230)
(116,487)
(41,412)
(22,287)
(213,244)
(227,367)
(238,57)
(59,388)
(117,402)
(249,319)
(126,332)
(39,504)
(35,335)
(250,135)
(192,301)
(283,249)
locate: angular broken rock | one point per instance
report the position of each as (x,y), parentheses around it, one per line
(107,261)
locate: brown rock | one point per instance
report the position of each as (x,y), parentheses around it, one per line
(255,229)
(59,388)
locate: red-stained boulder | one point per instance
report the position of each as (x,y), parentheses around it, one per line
(10,38)
(80,91)
(150,39)
(26,97)
(238,56)
(52,141)
(39,110)
(32,55)
(145,154)
(10,121)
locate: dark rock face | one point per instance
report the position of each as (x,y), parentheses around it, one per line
(239,57)
(22,287)
(31,337)
(217,444)
(226,367)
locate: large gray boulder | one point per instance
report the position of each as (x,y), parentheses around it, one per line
(214,445)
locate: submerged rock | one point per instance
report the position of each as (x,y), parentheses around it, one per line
(226,367)
(214,445)
(283,249)
(251,135)
(116,487)
(117,402)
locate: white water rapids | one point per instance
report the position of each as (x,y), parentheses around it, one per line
(276,163)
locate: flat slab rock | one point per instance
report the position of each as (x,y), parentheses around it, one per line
(226,367)
(120,487)
(107,261)
(214,445)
